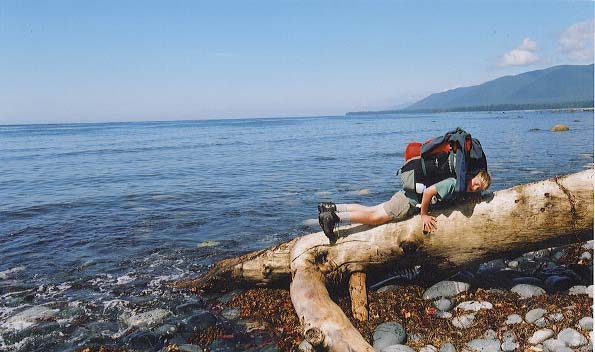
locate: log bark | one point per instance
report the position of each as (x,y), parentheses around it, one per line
(523,218)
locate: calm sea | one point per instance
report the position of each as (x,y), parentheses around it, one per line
(95,219)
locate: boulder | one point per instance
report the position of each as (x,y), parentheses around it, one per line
(560,128)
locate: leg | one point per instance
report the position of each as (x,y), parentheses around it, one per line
(360,214)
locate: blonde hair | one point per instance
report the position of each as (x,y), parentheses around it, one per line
(485,179)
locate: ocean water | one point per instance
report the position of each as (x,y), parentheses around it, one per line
(97,219)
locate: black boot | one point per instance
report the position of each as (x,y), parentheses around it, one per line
(328,220)
(326,206)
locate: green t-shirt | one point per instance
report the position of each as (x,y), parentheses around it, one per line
(445,188)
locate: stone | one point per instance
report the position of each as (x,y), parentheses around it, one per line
(415,337)
(555,345)
(572,338)
(387,288)
(474,306)
(397,348)
(443,315)
(558,255)
(541,322)
(540,335)
(577,290)
(509,342)
(443,304)
(585,256)
(231,313)
(189,348)
(527,291)
(166,330)
(556,317)
(448,347)
(463,321)
(189,308)
(199,321)
(588,244)
(514,319)
(534,314)
(590,291)
(147,319)
(445,289)
(586,323)
(558,283)
(490,334)
(388,334)
(491,265)
(305,346)
(428,348)
(560,128)
(487,345)
(143,341)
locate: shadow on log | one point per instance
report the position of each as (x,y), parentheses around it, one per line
(543,214)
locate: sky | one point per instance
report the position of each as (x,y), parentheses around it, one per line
(100,61)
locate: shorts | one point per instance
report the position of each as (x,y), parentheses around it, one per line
(398,207)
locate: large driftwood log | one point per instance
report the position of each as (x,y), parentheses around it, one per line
(523,218)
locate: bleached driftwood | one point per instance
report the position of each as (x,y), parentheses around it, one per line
(523,218)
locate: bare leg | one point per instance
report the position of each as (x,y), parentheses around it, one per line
(360,214)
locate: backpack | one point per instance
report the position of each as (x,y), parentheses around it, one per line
(456,154)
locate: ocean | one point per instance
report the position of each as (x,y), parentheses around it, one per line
(97,219)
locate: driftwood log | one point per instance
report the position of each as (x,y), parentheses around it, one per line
(532,216)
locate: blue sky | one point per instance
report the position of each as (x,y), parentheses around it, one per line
(89,61)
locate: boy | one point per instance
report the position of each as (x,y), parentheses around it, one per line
(400,207)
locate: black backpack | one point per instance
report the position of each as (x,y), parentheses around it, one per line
(455,154)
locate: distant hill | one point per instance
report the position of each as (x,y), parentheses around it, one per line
(564,86)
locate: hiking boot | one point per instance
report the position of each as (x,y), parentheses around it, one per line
(326,206)
(328,220)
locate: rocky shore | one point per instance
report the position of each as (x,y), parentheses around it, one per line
(540,301)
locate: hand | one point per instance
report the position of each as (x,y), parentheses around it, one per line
(428,223)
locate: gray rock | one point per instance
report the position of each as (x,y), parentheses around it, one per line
(143,341)
(585,256)
(586,323)
(189,308)
(534,314)
(540,335)
(397,348)
(443,315)
(229,296)
(428,348)
(588,245)
(415,337)
(231,313)
(189,348)
(490,334)
(514,319)
(558,255)
(555,345)
(555,317)
(445,289)
(387,288)
(487,345)
(166,330)
(305,346)
(527,291)
(443,304)
(541,322)
(199,321)
(147,319)
(491,265)
(509,342)
(448,347)
(463,321)
(572,338)
(388,334)
(578,290)
(513,264)
(590,291)
(474,305)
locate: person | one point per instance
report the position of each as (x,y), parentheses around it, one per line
(401,206)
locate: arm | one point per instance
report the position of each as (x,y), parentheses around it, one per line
(428,222)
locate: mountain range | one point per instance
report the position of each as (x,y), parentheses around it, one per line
(562,86)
